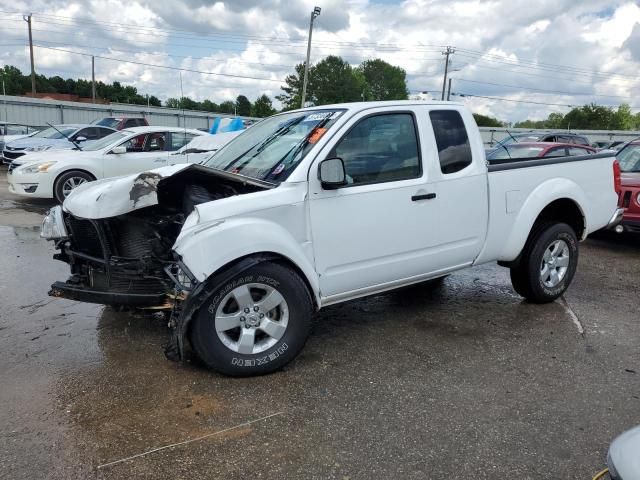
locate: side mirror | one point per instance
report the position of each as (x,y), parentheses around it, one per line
(120,149)
(81,139)
(332,174)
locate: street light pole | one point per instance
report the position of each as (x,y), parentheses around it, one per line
(315,13)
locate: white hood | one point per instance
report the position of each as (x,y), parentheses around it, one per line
(111,197)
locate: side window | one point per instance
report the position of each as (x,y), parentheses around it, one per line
(131,122)
(179,140)
(15,130)
(380,148)
(88,133)
(454,149)
(578,151)
(556,152)
(102,132)
(141,122)
(135,144)
(156,142)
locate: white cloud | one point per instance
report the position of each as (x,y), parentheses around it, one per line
(518,42)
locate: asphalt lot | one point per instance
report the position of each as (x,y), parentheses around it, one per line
(456,382)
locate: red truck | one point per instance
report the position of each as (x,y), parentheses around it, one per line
(120,123)
(629,199)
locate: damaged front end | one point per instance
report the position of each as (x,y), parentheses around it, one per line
(117,235)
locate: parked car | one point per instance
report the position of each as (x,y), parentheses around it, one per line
(14,131)
(203,147)
(120,123)
(55,174)
(319,206)
(608,145)
(531,137)
(58,137)
(629,199)
(539,149)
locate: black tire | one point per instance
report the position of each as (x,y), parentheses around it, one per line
(526,278)
(219,357)
(58,188)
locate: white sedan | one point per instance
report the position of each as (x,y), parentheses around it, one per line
(54,174)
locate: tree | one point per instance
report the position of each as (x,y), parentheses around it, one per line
(172,103)
(262,107)
(243,106)
(228,107)
(487,121)
(208,106)
(332,81)
(623,118)
(385,81)
(292,89)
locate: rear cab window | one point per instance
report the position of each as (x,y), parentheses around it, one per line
(452,140)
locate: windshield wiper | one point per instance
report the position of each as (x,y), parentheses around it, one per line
(68,138)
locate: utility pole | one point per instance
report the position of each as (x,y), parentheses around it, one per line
(93,78)
(315,13)
(449,90)
(27,18)
(446,53)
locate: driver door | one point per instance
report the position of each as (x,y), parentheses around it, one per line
(144,152)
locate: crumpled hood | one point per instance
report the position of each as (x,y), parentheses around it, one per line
(111,197)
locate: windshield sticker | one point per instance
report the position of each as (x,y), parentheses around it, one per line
(279,169)
(317,135)
(314,117)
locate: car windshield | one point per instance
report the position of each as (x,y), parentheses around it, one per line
(517,139)
(53,134)
(108,122)
(515,151)
(629,158)
(104,142)
(273,148)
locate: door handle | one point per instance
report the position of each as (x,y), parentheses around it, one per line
(425,196)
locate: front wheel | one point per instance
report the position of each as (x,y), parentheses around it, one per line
(255,323)
(69,181)
(548,264)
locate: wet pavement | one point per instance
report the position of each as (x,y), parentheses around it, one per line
(459,381)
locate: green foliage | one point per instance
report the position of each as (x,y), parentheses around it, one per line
(384,81)
(333,80)
(588,117)
(292,89)
(262,107)
(227,107)
(243,106)
(486,121)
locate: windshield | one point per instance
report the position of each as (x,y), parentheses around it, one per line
(103,142)
(53,134)
(273,148)
(515,151)
(518,139)
(629,158)
(109,122)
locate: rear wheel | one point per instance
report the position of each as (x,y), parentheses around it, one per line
(548,264)
(254,324)
(69,181)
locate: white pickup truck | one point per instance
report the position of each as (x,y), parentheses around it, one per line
(319,206)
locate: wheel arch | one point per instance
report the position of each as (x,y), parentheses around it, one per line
(69,170)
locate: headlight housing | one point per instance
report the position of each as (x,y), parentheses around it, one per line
(39,148)
(53,227)
(638,198)
(37,168)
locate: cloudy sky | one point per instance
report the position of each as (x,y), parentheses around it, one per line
(549,53)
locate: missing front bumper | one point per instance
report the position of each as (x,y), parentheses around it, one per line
(84,294)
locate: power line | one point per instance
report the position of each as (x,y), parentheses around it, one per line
(164,66)
(521,101)
(540,89)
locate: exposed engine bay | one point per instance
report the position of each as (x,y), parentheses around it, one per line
(126,260)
